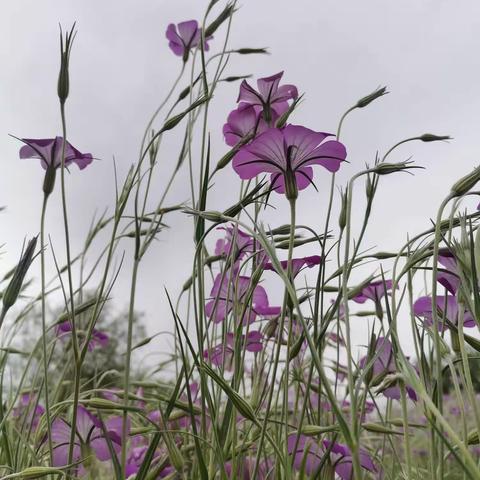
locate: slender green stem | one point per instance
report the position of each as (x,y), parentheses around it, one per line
(76,393)
(436,334)
(131,313)
(44,328)
(406,432)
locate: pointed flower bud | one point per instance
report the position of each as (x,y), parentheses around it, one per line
(466,183)
(430,137)
(367,100)
(387,168)
(249,51)
(63,85)
(14,287)
(342,219)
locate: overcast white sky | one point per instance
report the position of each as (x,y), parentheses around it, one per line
(425,51)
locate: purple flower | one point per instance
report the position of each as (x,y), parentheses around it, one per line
(236,243)
(49,152)
(423,308)
(97,340)
(269,96)
(298,264)
(288,155)
(373,291)
(25,407)
(341,457)
(451,278)
(222,354)
(243,124)
(383,365)
(183,37)
(308,453)
(89,437)
(228,293)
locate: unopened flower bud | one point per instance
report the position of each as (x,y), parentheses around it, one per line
(342,219)
(249,51)
(63,84)
(14,287)
(388,168)
(379,92)
(369,187)
(49,180)
(235,78)
(466,183)
(430,137)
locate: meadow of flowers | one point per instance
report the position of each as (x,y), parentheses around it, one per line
(253,389)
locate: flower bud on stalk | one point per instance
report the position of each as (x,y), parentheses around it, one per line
(49,180)
(363,102)
(369,187)
(466,183)
(342,219)
(14,287)
(430,137)
(63,85)
(388,168)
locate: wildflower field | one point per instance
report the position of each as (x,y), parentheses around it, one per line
(264,377)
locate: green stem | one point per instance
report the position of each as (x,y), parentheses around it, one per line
(131,313)
(436,334)
(44,328)
(76,393)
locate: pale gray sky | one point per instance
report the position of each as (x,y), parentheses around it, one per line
(425,51)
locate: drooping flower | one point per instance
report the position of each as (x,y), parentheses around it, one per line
(26,406)
(49,152)
(383,365)
(341,457)
(373,291)
(298,264)
(447,308)
(97,340)
(229,292)
(183,37)
(288,155)
(222,354)
(243,124)
(450,279)
(269,96)
(89,438)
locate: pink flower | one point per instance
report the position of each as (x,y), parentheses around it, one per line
(49,152)
(88,435)
(269,96)
(97,340)
(288,155)
(183,37)
(228,293)
(25,407)
(298,264)
(447,309)
(243,124)
(222,354)
(373,291)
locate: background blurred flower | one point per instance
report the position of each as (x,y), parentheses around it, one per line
(447,308)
